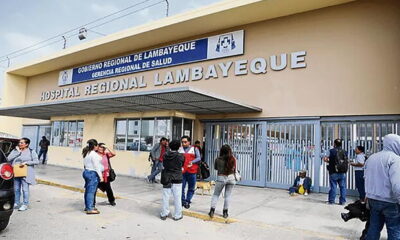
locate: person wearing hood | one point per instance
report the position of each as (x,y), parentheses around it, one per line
(171,179)
(382,185)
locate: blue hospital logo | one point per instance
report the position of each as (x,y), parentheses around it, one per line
(64,77)
(225,43)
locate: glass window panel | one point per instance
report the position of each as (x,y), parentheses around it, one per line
(120,136)
(56,133)
(72,127)
(176,128)
(146,134)
(187,127)
(133,135)
(79,134)
(163,128)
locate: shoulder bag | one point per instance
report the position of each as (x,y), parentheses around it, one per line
(237,175)
(112,174)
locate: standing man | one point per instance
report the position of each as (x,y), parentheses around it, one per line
(190,167)
(358,165)
(157,156)
(337,167)
(44,147)
(382,185)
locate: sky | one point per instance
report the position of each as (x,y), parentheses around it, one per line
(24,23)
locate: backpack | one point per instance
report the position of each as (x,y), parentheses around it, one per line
(341,161)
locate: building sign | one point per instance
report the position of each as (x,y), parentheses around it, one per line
(224,45)
(184,75)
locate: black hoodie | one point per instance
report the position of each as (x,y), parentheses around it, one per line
(172,172)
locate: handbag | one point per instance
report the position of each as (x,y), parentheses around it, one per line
(237,175)
(20,170)
(111,175)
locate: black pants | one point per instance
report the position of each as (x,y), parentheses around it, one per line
(106,187)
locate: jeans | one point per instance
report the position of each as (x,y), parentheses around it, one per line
(155,169)
(223,181)
(44,152)
(91,182)
(334,179)
(360,184)
(189,178)
(21,184)
(381,213)
(176,191)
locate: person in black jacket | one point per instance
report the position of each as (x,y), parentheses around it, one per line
(171,179)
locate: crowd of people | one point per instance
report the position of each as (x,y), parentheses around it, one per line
(377,178)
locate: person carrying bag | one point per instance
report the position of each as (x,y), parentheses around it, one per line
(23,161)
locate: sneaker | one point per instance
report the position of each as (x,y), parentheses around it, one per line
(306,194)
(177,219)
(163,218)
(16,206)
(330,203)
(187,205)
(113,204)
(23,208)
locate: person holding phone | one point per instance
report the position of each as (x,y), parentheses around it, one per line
(105,186)
(24,156)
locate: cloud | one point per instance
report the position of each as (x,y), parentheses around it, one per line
(103,9)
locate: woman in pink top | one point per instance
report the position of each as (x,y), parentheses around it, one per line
(105,186)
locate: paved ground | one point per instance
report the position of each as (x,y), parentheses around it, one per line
(261,213)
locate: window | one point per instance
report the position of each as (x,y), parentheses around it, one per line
(147,134)
(67,133)
(142,134)
(133,136)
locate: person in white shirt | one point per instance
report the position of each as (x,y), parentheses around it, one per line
(92,174)
(358,165)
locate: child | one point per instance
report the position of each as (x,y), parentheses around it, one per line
(301,185)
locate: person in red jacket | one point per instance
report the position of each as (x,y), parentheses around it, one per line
(189,170)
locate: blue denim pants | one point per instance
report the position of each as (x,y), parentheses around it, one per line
(334,180)
(190,179)
(384,213)
(155,170)
(21,184)
(91,182)
(360,184)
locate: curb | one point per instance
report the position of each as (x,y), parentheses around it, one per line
(205,217)
(197,215)
(75,189)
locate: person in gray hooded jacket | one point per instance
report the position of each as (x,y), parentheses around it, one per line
(22,154)
(382,185)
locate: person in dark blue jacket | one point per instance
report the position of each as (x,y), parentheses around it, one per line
(301,180)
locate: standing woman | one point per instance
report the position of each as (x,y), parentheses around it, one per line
(92,174)
(225,165)
(24,156)
(105,186)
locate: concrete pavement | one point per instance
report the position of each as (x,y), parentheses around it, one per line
(262,207)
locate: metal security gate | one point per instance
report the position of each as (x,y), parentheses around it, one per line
(369,134)
(291,147)
(247,141)
(271,153)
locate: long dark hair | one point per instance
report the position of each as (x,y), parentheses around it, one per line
(226,154)
(91,143)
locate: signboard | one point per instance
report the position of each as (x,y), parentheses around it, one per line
(219,46)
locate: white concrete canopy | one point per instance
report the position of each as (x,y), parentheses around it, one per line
(185,99)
